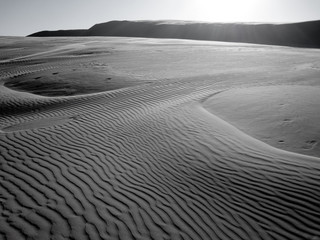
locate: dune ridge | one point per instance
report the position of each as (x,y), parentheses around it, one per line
(147,162)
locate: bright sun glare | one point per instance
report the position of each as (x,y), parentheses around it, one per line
(223,10)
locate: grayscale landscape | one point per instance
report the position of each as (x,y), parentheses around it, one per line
(155,137)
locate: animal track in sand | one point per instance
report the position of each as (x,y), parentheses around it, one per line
(287,120)
(310,144)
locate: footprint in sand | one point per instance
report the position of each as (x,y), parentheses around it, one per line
(310,144)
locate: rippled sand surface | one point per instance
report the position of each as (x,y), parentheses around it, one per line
(127,138)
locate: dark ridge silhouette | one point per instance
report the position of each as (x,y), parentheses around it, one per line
(304,34)
(60,33)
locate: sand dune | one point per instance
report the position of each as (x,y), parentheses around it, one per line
(154,158)
(302,34)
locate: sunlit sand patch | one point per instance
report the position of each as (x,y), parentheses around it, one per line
(285,117)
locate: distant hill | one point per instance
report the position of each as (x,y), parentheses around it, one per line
(60,33)
(303,34)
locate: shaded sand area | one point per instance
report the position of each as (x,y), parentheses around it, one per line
(179,146)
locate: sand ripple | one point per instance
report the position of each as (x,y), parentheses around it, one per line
(147,162)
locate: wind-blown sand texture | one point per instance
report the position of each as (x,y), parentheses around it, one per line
(118,138)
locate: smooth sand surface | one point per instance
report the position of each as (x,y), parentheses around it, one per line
(181,143)
(285,117)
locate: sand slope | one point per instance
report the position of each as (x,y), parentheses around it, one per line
(149,161)
(283,116)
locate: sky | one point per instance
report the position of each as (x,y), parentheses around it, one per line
(23,17)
